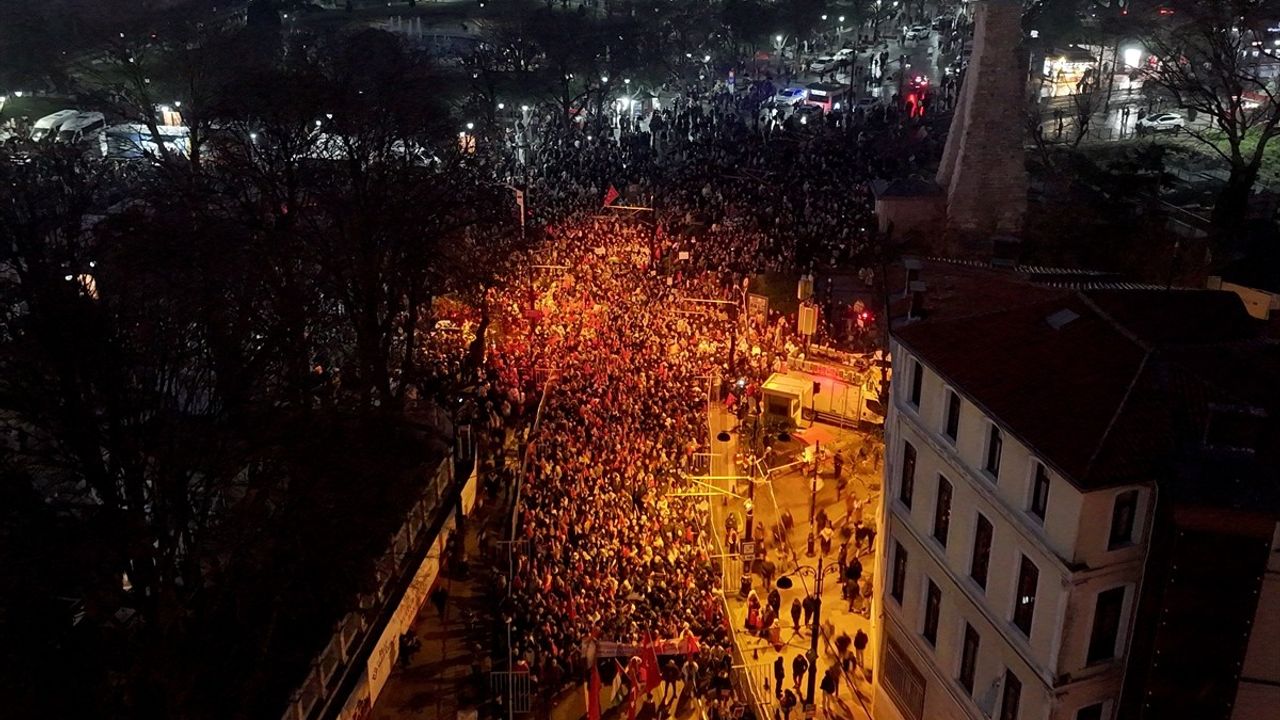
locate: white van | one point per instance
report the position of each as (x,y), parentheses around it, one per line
(128,142)
(84,126)
(50,124)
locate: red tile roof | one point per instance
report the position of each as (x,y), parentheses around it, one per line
(1087,395)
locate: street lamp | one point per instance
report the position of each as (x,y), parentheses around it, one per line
(748,544)
(785,583)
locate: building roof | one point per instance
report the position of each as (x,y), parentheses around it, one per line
(1093,382)
(790,384)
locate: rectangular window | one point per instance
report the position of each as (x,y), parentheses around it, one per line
(917,382)
(1122,515)
(953,415)
(899,571)
(994,444)
(907,483)
(942,511)
(903,681)
(1024,605)
(1040,491)
(969,657)
(1010,696)
(981,551)
(932,607)
(1090,712)
(1106,625)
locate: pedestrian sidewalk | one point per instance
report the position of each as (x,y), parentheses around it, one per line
(789,489)
(447,674)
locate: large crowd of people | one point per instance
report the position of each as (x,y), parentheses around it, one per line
(733,194)
(607,551)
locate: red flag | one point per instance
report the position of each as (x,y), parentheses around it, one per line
(572,614)
(593,694)
(611,196)
(652,672)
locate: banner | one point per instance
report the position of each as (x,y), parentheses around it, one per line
(686,645)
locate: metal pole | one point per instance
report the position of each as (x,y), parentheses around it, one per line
(813,496)
(744,587)
(813,641)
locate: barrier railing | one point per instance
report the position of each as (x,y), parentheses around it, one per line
(317,696)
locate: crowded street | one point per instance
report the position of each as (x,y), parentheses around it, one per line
(627,557)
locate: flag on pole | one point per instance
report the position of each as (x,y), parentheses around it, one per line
(593,693)
(617,680)
(635,675)
(611,196)
(652,671)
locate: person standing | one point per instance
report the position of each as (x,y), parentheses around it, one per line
(828,686)
(788,703)
(779,675)
(689,673)
(810,606)
(670,673)
(767,570)
(843,642)
(795,614)
(859,644)
(798,667)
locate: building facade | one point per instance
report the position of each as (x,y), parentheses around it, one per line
(1017,517)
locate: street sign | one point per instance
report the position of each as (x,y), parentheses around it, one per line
(758,307)
(808,320)
(748,550)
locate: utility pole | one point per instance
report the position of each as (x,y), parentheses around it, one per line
(813,642)
(813,493)
(748,545)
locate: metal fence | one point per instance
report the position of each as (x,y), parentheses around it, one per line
(318,691)
(514,686)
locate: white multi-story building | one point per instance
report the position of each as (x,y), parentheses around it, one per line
(1026,449)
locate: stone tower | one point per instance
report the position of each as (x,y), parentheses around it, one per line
(983,170)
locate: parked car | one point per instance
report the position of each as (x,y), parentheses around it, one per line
(919,32)
(866,103)
(1161,122)
(808,115)
(790,96)
(824,64)
(845,54)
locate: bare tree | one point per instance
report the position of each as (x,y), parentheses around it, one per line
(1212,63)
(1084,105)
